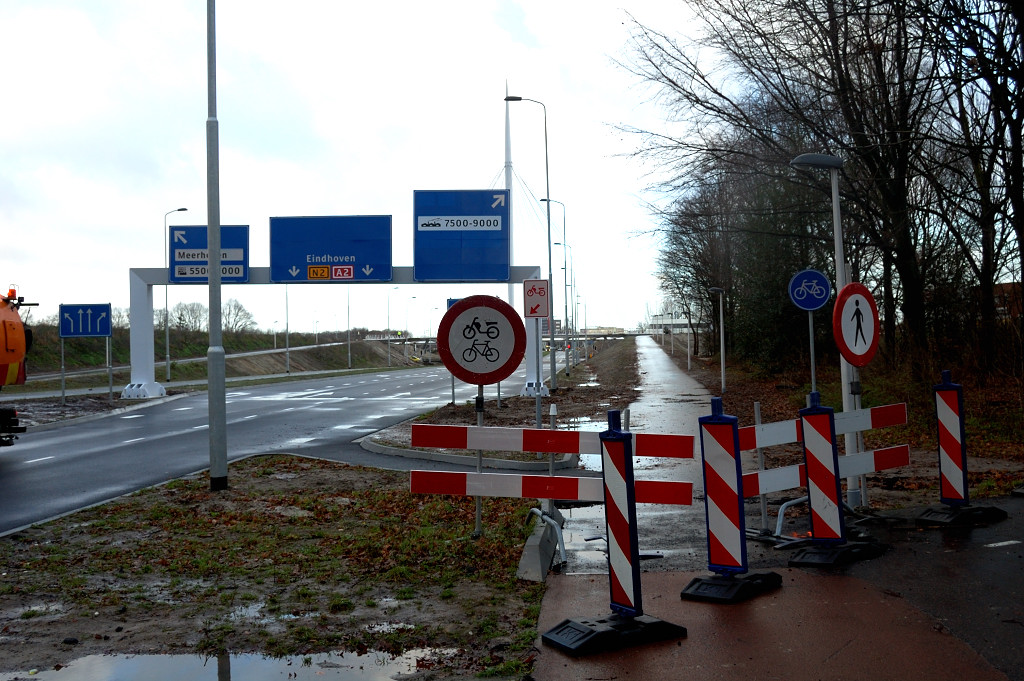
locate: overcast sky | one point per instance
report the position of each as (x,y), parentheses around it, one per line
(324,108)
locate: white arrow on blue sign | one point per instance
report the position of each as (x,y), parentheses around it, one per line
(82,321)
(190,257)
(330,249)
(462,235)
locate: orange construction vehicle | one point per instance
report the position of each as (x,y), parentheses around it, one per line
(15,341)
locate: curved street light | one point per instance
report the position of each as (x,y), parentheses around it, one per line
(167,266)
(547,199)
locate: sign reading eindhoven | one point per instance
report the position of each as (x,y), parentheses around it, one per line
(330,249)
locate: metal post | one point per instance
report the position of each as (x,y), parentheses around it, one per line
(479,528)
(167,266)
(216,393)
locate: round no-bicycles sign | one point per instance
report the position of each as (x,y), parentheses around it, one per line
(481,340)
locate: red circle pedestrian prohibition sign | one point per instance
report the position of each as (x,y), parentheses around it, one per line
(855,324)
(481,340)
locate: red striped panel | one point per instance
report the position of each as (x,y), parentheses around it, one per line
(443,437)
(674,446)
(823,477)
(437,482)
(663,492)
(892,457)
(889,415)
(548,487)
(718,554)
(822,530)
(718,490)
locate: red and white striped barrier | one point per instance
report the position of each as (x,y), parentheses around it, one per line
(786,432)
(723,498)
(562,488)
(491,439)
(949,403)
(620,519)
(788,477)
(823,483)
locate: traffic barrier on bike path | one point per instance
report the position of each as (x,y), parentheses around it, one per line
(627,625)
(725,516)
(953,487)
(824,492)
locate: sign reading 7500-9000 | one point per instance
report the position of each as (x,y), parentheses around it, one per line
(461,235)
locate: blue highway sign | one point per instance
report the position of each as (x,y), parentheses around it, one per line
(190,257)
(461,235)
(809,290)
(81,321)
(341,249)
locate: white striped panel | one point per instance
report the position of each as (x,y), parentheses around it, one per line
(495,439)
(618,561)
(949,419)
(778,433)
(778,479)
(720,460)
(951,471)
(494,485)
(590,443)
(821,449)
(591,489)
(725,531)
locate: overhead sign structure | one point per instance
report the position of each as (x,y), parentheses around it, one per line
(190,255)
(481,340)
(536,301)
(809,290)
(338,249)
(855,324)
(461,236)
(82,321)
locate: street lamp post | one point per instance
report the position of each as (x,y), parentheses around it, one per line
(847,373)
(720,292)
(167,266)
(547,196)
(565,270)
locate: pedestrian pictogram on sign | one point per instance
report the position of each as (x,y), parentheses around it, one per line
(536,300)
(855,324)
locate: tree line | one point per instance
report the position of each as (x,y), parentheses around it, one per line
(922,101)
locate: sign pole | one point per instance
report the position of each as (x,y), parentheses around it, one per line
(810,332)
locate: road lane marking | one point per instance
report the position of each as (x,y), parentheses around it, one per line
(128,442)
(1000,544)
(38,460)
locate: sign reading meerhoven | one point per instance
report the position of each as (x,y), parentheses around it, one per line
(190,257)
(461,235)
(855,324)
(481,340)
(330,249)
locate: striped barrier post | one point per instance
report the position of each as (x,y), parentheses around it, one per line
(822,461)
(824,493)
(953,488)
(949,416)
(620,519)
(725,515)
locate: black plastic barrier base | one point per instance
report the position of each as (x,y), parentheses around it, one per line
(723,589)
(961,516)
(836,555)
(614,632)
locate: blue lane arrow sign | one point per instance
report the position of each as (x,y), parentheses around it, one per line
(82,321)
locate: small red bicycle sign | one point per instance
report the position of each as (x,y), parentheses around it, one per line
(536,299)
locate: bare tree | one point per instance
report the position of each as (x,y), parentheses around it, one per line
(235,318)
(189,316)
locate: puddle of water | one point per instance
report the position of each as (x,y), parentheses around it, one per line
(346,667)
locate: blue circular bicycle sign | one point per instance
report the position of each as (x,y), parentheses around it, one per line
(809,290)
